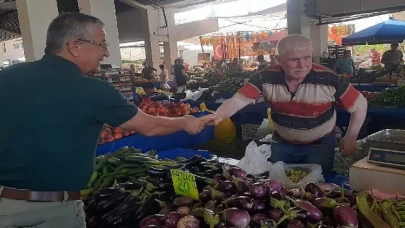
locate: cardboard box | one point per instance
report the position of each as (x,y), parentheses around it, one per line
(364,176)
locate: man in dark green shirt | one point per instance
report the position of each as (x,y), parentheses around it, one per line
(51,116)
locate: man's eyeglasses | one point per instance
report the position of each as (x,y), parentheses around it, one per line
(101,44)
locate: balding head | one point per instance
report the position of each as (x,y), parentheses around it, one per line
(293,43)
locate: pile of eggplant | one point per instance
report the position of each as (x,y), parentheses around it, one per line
(128,198)
(236,199)
(228,197)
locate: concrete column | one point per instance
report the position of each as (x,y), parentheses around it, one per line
(105,11)
(319,37)
(151,24)
(299,23)
(34,24)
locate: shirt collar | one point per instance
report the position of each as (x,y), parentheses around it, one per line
(61,62)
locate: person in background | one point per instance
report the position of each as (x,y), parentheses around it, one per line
(262,63)
(392,59)
(164,78)
(180,76)
(43,169)
(235,66)
(273,59)
(132,68)
(148,72)
(346,64)
(303,98)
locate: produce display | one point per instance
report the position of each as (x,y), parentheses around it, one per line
(390,98)
(136,190)
(295,175)
(233,82)
(109,134)
(169,109)
(369,95)
(141,91)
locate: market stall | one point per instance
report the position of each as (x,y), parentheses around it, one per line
(197,189)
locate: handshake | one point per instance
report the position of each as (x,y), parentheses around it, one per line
(195,125)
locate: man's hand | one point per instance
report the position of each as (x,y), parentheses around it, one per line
(212,119)
(348,146)
(193,125)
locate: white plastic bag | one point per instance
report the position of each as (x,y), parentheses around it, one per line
(263,130)
(277,172)
(255,160)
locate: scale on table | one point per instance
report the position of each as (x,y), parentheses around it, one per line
(387,148)
(384,167)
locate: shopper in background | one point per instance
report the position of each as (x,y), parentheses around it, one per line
(262,63)
(164,78)
(180,76)
(148,72)
(50,121)
(303,97)
(392,59)
(346,64)
(235,66)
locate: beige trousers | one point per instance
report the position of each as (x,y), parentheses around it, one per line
(25,214)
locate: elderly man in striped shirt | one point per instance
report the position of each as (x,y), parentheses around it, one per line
(303,98)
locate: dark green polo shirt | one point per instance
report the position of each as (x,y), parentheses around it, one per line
(50,119)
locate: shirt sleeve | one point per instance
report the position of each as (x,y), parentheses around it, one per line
(109,106)
(347,96)
(253,88)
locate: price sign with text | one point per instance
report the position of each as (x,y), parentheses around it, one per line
(184,183)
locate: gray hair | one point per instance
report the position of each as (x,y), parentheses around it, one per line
(293,43)
(68,26)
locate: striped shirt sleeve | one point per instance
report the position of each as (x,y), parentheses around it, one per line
(347,96)
(252,89)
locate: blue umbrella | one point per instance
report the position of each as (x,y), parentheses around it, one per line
(386,32)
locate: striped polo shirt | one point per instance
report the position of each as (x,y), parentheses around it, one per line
(309,113)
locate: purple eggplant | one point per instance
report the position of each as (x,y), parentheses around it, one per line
(237,217)
(227,187)
(328,187)
(151,220)
(295,224)
(153,226)
(258,206)
(259,190)
(345,216)
(188,221)
(256,220)
(314,190)
(275,214)
(237,201)
(240,184)
(314,214)
(325,203)
(296,193)
(205,196)
(278,195)
(238,172)
(183,209)
(274,186)
(183,201)
(171,219)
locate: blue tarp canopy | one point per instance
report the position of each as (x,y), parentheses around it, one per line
(384,33)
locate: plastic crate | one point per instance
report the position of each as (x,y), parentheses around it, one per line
(249,131)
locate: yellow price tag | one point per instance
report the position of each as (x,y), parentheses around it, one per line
(184,183)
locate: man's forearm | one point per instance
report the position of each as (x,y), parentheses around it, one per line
(357,119)
(231,106)
(165,126)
